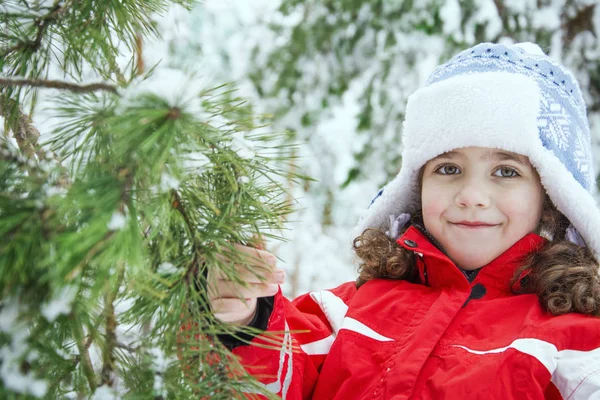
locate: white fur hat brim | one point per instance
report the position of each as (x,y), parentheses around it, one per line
(481,110)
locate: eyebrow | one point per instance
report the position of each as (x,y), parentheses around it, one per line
(496,155)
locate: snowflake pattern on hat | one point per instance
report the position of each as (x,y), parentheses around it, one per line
(562,120)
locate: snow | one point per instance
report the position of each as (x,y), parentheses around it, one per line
(12,353)
(451,15)
(105,393)
(166,268)
(117,221)
(547,18)
(168,182)
(52,190)
(487,14)
(160,363)
(179,88)
(60,303)
(45,3)
(9,314)
(195,163)
(243,147)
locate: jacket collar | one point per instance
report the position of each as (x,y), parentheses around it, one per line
(437,270)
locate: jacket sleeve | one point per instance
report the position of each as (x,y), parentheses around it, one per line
(574,362)
(299,335)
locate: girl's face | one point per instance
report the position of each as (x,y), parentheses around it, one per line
(477,202)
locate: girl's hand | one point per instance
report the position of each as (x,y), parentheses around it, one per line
(233,303)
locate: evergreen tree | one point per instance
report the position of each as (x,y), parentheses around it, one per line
(111,221)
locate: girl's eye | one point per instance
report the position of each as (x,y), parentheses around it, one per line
(506,172)
(448,170)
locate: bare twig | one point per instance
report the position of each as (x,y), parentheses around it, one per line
(53,84)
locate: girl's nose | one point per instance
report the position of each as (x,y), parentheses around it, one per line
(472,194)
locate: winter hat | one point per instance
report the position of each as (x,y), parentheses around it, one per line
(510,97)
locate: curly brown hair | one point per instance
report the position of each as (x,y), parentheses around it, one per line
(563,275)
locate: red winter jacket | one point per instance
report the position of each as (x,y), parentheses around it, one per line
(445,338)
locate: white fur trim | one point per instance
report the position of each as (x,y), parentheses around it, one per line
(481,109)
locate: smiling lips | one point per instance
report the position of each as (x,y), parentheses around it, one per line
(473,224)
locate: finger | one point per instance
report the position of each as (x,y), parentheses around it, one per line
(258,242)
(248,275)
(228,289)
(255,256)
(234,311)
(251,265)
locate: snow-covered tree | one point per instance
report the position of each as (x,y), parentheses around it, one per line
(380,51)
(112,217)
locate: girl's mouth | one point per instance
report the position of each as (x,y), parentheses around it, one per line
(473,224)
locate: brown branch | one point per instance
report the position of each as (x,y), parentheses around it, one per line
(108,356)
(139,54)
(177,204)
(582,21)
(53,84)
(22,127)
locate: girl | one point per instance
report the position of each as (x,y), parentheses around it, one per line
(479,261)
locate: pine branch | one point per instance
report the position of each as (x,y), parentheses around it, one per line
(42,25)
(127,175)
(53,84)
(84,356)
(123,346)
(90,254)
(193,267)
(111,327)
(6,155)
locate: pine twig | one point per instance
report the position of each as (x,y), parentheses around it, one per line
(123,346)
(90,254)
(177,203)
(111,327)
(54,84)
(84,355)
(96,248)
(42,25)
